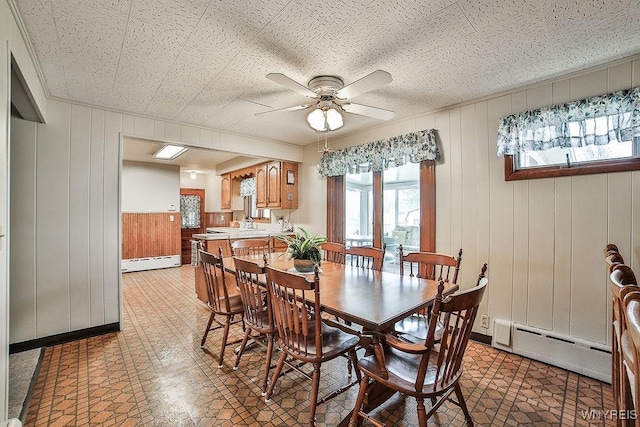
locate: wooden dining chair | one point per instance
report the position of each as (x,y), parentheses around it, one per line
(622,281)
(632,353)
(426,370)
(303,334)
(333,252)
(224,299)
(427,265)
(609,249)
(365,257)
(614,259)
(258,317)
(250,247)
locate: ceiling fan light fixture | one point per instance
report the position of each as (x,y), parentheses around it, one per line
(325,119)
(334,119)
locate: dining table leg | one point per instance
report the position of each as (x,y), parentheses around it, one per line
(376,393)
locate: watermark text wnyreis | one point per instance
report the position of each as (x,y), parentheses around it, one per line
(608,414)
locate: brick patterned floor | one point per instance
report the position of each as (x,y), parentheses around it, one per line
(154,373)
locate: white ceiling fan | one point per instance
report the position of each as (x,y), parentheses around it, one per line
(330,97)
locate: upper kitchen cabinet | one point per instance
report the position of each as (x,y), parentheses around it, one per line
(277,185)
(225,192)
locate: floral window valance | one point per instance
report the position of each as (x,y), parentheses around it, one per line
(598,120)
(248,187)
(380,155)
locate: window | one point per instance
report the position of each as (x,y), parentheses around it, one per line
(383,193)
(595,135)
(359,205)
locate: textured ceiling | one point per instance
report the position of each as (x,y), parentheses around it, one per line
(204,61)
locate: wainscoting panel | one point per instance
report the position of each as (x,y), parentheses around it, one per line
(147,235)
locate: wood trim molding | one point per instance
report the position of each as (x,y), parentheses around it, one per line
(378,209)
(245,173)
(622,165)
(428,206)
(335,209)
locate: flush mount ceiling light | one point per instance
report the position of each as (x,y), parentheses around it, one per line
(324,119)
(169,152)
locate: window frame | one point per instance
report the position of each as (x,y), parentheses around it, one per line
(575,169)
(336,192)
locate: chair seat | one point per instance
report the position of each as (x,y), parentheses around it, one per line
(417,326)
(260,322)
(402,371)
(235,304)
(334,343)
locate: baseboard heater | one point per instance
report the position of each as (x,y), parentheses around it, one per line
(151,263)
(581,356)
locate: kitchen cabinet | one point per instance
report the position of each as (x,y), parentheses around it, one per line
(277,185)
(278,245)
(225,192)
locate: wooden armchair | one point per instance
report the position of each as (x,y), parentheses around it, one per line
(333,252)
(258,317)
(250,247)
(224,300)
(426,369)
(303,334)
(622,281)
(365,257)
(427,265)
(632,319)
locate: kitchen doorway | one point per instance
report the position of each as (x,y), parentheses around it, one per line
(192,219)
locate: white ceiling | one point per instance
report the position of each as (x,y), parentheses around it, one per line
(204,61)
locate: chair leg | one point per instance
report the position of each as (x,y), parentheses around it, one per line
(206,331)
(242,346)
(225,335)
(276,374)
(267,363)
(364,384)
(354,361)
(422,413)
(463,405)
(315,386)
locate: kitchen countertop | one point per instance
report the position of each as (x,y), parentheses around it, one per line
(233,233)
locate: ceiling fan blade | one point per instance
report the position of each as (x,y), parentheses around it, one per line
(368,83)
(280,110)
(289,83)
(365,110)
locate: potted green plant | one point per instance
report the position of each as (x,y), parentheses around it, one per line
(304,249)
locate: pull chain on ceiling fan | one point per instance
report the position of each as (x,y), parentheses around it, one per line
(332,98)
(326,148)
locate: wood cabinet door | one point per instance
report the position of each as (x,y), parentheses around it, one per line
(261,186)
(274,185)
(225,192)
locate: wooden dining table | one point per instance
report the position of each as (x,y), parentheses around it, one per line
(375,300)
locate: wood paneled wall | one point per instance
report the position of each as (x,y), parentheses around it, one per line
(150,234)
(66,270)
(542,238)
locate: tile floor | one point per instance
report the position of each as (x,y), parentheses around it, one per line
(155,373)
